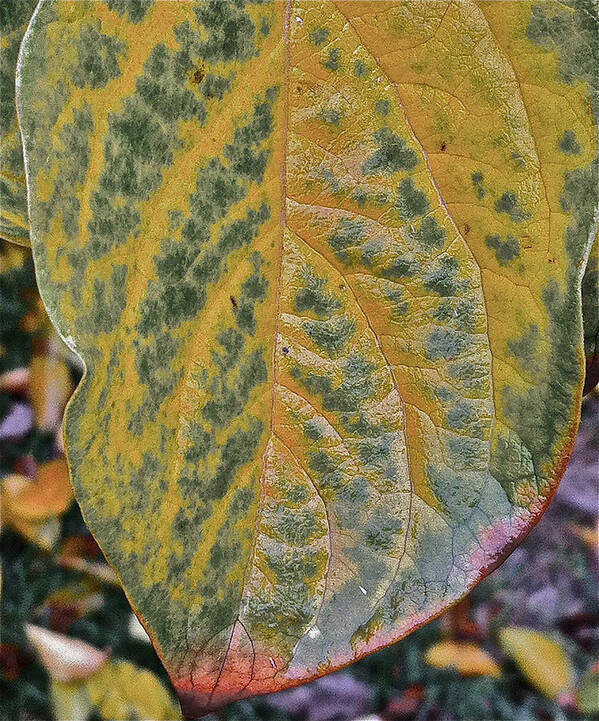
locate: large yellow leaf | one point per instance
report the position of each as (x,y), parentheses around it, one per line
(323,263)
(14,222)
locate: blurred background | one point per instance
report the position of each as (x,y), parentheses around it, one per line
(522,646)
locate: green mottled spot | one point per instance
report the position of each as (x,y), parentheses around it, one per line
(330,117)
(569,29)
(215,86)
(524,348)
(477,181)
(330,335)
(360,70)
(107,305)
(410,201)
(509,204)
(399,306)
(505,250)
(360,196)
(393,154)
(568,143)
(382,532)
(315,298)
(227,32)
(332,61)
(97,58)
(348,235)
(445,343)
(319,36)
(463,417)
(429,235)
(442,278)
(458,312)
(401,267)
(136,9)
(456,492)
(382,107)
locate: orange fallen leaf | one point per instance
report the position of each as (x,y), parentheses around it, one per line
(466,658)
(49,494)
(65,659)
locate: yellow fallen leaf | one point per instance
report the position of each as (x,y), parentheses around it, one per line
(540,659)
(467,659)
(120,690)
(70,700)
(65,659)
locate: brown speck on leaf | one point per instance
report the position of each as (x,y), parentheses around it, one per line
(466,229)
(234,303)
(285,350)
(341,286)
(198,76)
(443,147)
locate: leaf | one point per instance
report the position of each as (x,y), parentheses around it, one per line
(590,317)
(31,507)
(117,690)
(541,660)
(14,222)
(50,384)
(122,691)
(324,271)
(65,659)
(468,659)
(588,694)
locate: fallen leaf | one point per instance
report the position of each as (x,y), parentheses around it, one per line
(32,506)
(541,660)
(121,690)
(466,658)
(68,604)
(49,494)
(65,659)
(15,380)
